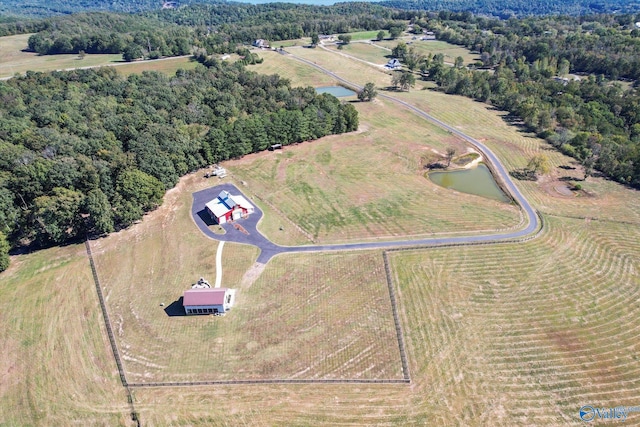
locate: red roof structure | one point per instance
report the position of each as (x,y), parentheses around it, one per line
(212,296)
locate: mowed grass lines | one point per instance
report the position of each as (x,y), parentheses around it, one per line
(305,317)
(434,47)
(296,72)
(56,366)
(513,145)
(369,184)
(13,60)
(524,333)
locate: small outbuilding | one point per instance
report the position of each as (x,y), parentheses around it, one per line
(208,300)
(393,64)
(227,207)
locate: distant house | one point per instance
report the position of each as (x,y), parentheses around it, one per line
(428,35)
(261,43)
(327,37)
(226,207)
(393,64)
(208,300)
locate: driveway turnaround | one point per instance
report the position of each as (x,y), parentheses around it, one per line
(268,249)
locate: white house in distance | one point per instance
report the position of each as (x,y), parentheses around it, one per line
(226,207)
(208,300)
(261,43)
(393,64)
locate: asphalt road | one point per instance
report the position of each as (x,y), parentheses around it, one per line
(268,249)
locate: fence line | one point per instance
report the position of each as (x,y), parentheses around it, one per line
(396,319)
(270,381)
(107,322)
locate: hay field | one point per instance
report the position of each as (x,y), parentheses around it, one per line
(513,334)
(56,366)
(369,184)
(434,47)
(13,60)
(305,317)
(525,334)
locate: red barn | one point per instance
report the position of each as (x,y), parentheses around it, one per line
(228,208)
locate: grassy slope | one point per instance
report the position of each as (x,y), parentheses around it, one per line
(56,366)
(564,302)
(367,184)
(294,322)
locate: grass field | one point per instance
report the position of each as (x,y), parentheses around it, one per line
(433,47)
(525,334)
(168,66)
(305,317)
(509,334)
(335,193)
(55,361)
(13,60)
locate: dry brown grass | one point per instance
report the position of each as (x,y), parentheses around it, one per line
(13,60)
(367,185)
(514,334)
(56,366)
(304,317)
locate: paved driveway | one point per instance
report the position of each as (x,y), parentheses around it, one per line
(268,249)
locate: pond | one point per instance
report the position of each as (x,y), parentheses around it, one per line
(478,181)
(337,91)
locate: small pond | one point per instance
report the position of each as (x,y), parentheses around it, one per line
(478,181)
(337,91)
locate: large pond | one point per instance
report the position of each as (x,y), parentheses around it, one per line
(337,91)
(478,181)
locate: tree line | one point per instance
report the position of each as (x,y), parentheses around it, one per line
(90,151)
(589,117)
(215,28)
(518,8)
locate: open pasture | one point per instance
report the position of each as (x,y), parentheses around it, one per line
(434,47)
(304,317)
(369,184)
(524,333)
(513,145)
(365,51)
(13,60)
(56,366)
(296,72)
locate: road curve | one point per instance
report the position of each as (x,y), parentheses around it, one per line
(268,249)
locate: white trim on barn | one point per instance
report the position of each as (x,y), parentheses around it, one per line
(227,207)
(208,301)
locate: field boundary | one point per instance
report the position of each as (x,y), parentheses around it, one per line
(396,319)
(112,341)
(271,381)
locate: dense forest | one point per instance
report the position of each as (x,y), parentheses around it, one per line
(518,8)
(500,8)
(215,28)
(90,151)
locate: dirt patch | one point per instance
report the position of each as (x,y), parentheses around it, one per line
(252,275)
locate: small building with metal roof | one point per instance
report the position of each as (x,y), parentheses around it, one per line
(208,300)
(227,207)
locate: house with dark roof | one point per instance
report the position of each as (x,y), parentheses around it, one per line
(208,300)
(227,207)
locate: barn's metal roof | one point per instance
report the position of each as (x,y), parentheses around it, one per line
(213,296)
